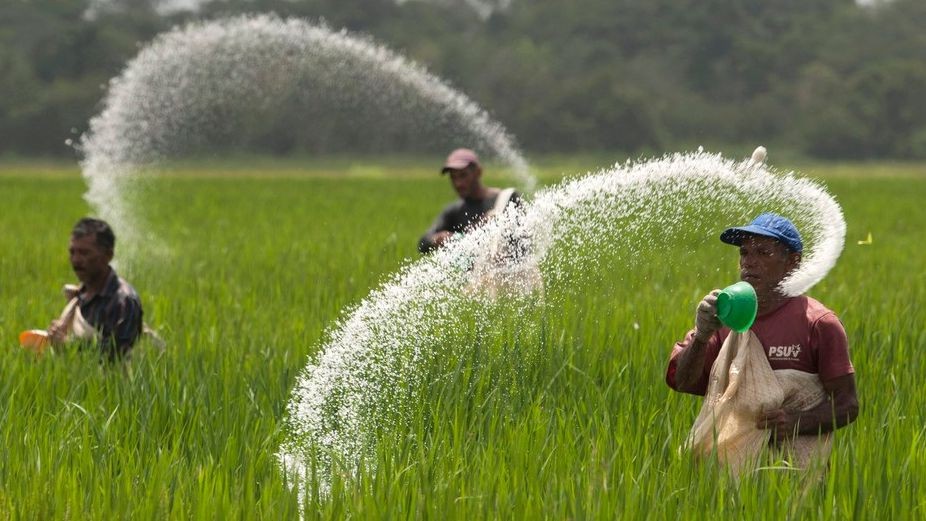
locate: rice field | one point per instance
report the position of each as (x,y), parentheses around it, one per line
(566,419)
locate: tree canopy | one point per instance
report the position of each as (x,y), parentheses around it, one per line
(829,77)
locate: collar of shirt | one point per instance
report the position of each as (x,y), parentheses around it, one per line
(109,288)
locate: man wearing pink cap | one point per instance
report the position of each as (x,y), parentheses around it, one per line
(477,202)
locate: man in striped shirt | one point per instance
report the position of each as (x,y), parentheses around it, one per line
(105,301)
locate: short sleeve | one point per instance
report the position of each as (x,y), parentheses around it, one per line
(710,355)
(831,347)
(441,223)
(122,327)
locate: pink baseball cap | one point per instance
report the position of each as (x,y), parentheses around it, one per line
(460,159)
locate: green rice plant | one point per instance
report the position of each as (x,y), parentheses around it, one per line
(558,413)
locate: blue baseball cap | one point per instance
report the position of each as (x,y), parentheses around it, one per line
(768,225)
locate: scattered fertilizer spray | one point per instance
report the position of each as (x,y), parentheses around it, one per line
(347,396)
(192,88)
(188,90)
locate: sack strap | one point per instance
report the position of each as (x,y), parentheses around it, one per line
(68,314)
(504,197)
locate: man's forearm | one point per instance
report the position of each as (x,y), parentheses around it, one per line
(826,417)
(690,365)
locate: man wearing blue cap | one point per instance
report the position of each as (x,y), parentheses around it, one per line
(797,334)
(476,202)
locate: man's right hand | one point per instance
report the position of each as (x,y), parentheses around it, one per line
(57,332)
(441,237)
(706,321)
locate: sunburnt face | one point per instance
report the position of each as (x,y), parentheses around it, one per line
(765,262)
(88,259)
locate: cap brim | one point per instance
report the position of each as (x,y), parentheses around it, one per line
(455,166)
(736,235)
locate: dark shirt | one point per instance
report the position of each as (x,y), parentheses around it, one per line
(116,313)
(460,216)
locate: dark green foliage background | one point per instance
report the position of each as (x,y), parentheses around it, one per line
(825,78)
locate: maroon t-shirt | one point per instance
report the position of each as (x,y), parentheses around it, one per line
(802,334)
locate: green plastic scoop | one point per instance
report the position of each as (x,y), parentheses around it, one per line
(737,306)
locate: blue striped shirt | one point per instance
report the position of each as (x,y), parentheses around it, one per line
(115,313)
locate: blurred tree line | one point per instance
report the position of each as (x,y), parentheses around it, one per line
(828,77)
